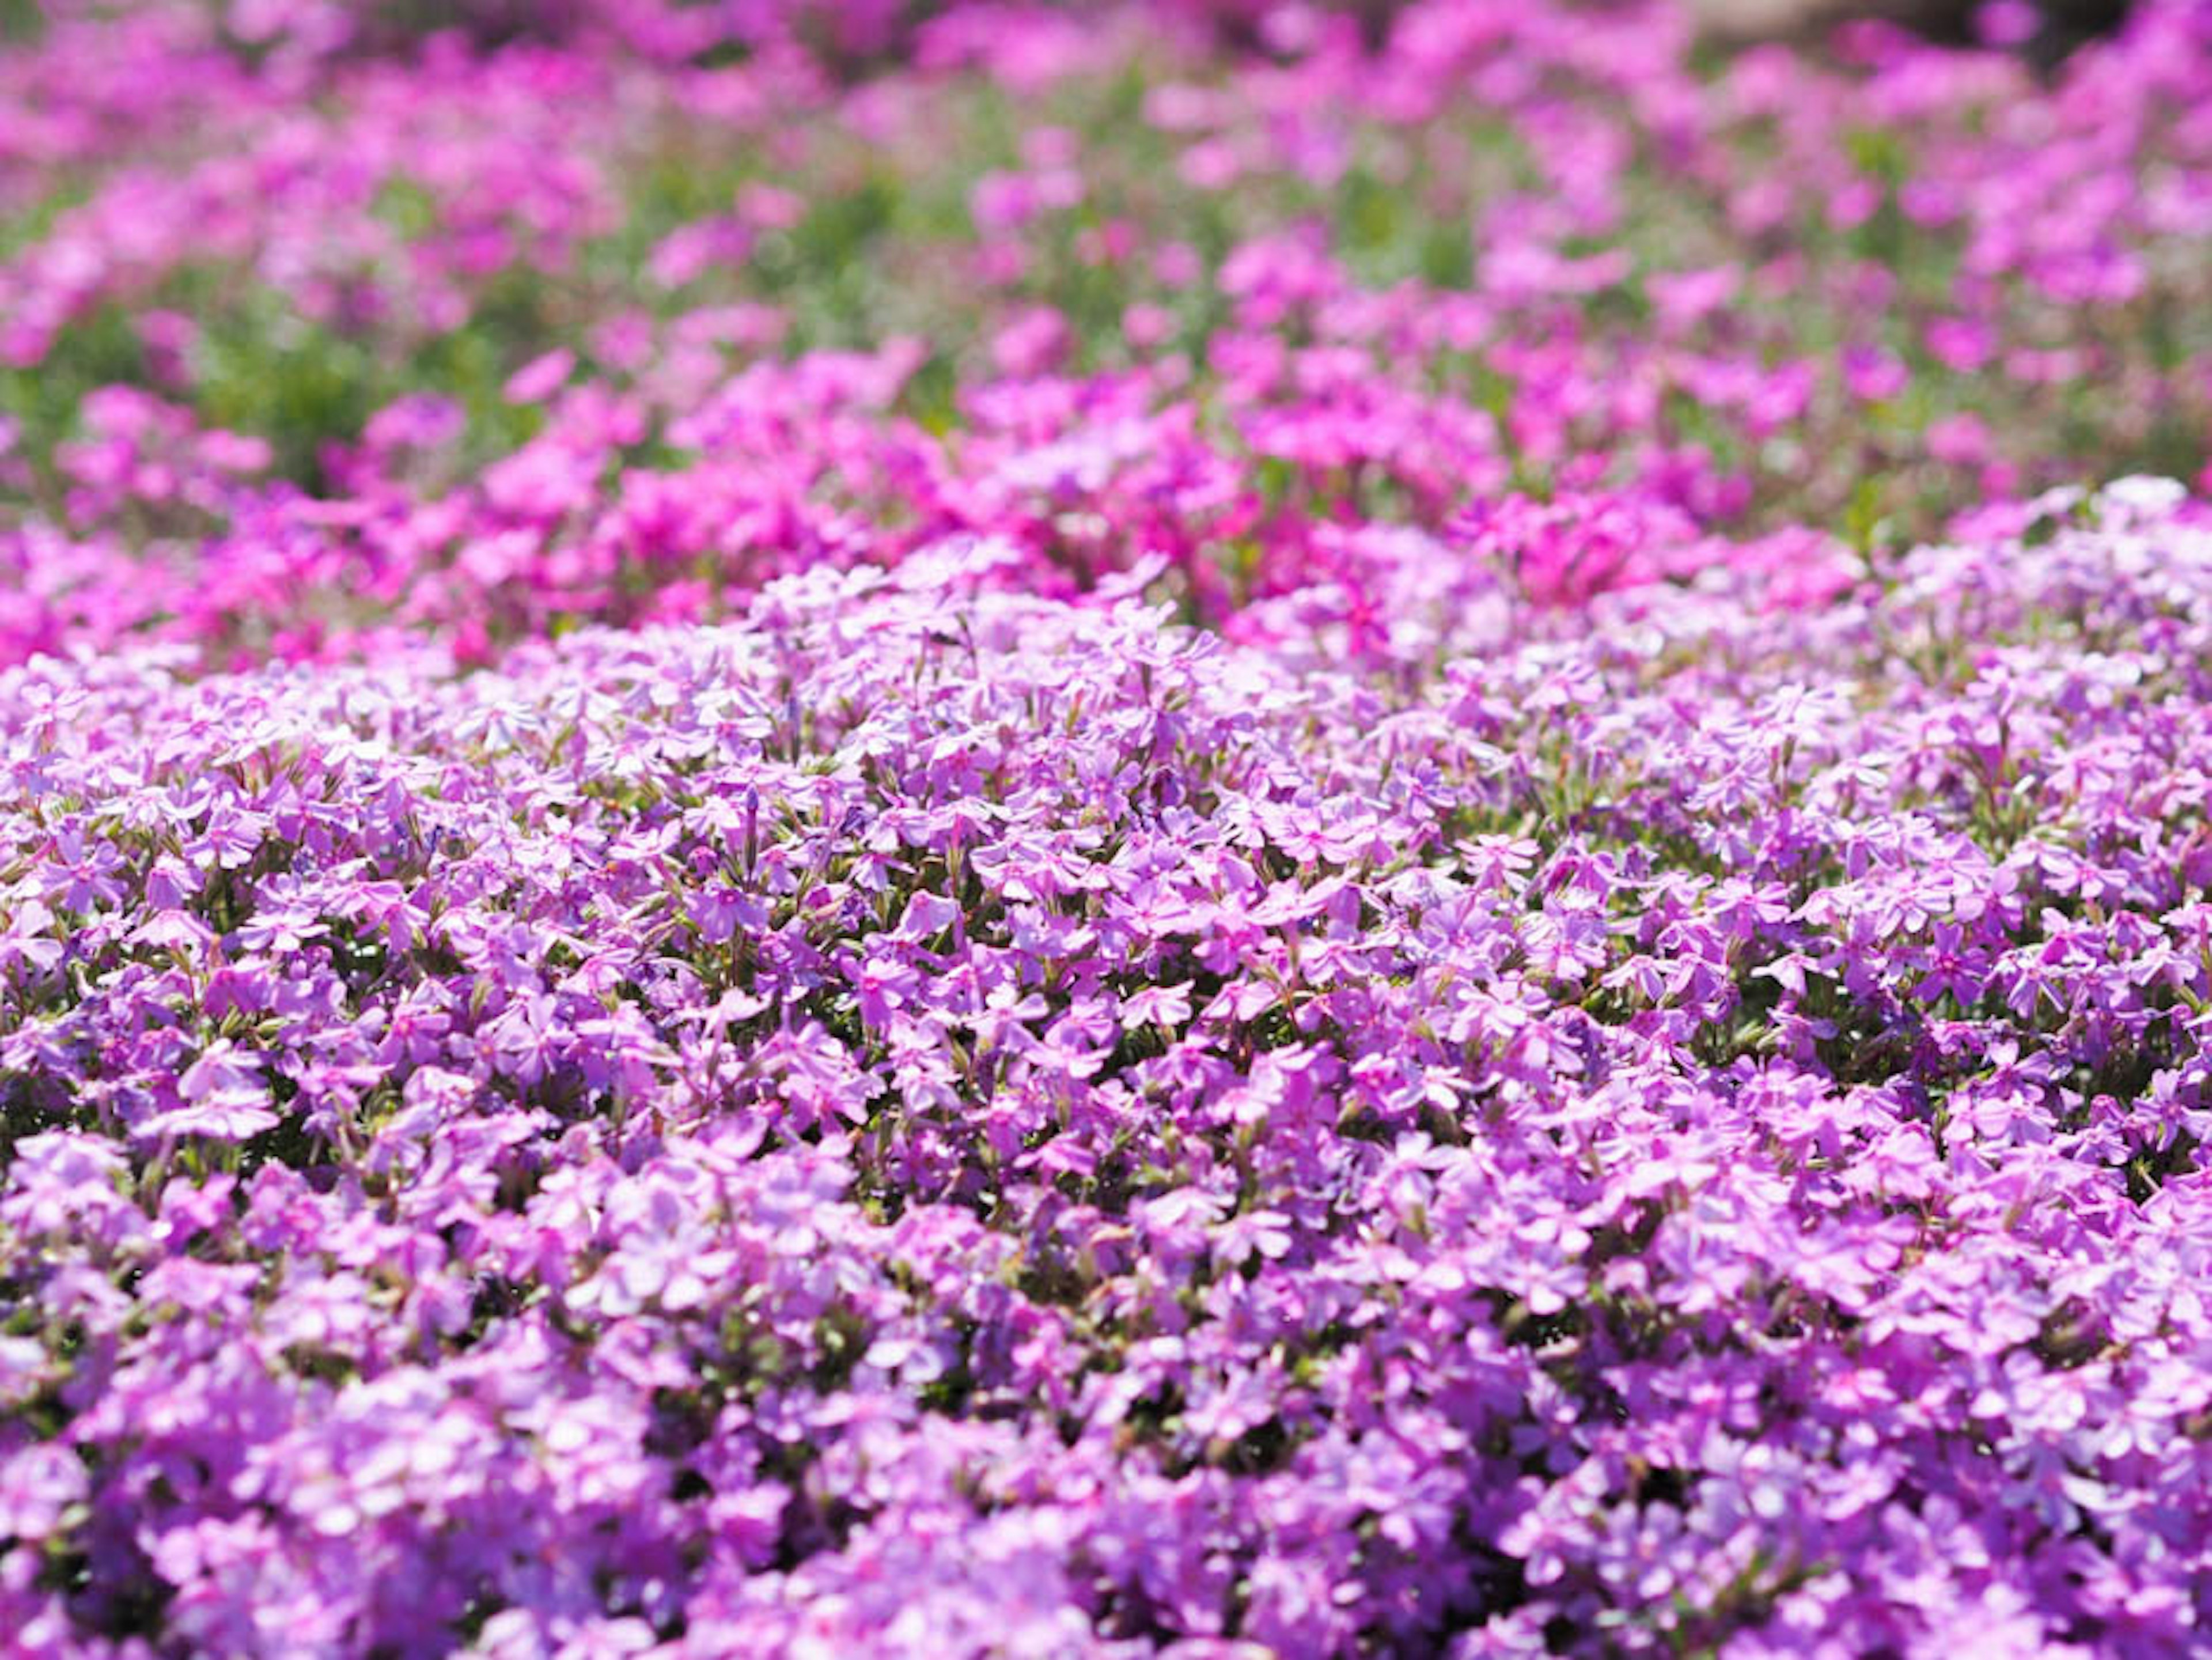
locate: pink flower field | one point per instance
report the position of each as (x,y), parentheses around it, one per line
(1222,828)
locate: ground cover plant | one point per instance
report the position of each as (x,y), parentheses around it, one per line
(1004,830)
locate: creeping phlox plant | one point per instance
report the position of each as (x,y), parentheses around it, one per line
(938,1119)
(1242,827)
(315,329)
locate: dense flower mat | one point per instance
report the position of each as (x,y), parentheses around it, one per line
(312,331)
(937,1119)
(991,828)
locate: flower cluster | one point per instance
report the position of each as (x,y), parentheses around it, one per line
(601,312)
(1212,826)
(940,1119)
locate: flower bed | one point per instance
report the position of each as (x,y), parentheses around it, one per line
(1206,830)
(1008,1124)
